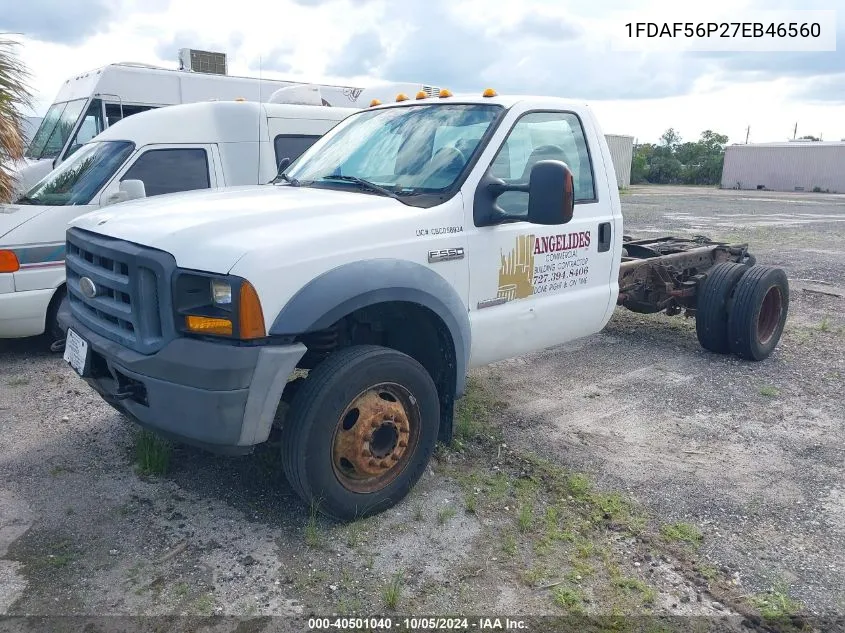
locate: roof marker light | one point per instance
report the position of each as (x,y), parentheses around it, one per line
(445,92)
(489,93)
(240,99)
(374,103)
(421,94)
(401,97)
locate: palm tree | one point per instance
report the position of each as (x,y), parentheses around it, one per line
(15,96)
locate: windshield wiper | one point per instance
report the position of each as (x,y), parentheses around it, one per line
(26,200)
(365,184)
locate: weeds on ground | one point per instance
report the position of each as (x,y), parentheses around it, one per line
(152,453)
(776,603)
(445,515)
(313,538)
(393,591)
(681,533)
(769,391)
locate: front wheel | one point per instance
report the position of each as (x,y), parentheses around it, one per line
(360,431)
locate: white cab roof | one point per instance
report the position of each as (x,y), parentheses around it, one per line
(218,121)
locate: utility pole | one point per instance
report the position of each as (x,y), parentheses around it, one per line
(747,134)
(795,131)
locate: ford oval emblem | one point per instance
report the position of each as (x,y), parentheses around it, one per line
(87,287)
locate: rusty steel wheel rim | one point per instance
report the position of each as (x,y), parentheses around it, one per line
(770,313)
(375,437)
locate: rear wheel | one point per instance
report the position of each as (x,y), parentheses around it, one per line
(360,431)
(53,332)
(711,312)
(758,314)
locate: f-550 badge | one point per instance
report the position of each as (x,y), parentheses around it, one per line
(445,255)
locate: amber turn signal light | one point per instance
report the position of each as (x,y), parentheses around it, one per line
(208,325)
(251,317)
(9,262)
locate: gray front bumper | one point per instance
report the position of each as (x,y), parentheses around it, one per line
(217,396)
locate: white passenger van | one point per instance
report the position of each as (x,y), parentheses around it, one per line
(163,151)
(92,101)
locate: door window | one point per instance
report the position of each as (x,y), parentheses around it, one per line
(292,145)
(171,170)
(116,111)
(543,136)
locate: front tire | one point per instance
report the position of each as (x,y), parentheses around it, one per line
(360,431)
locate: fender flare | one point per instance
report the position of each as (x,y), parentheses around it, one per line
(339,291)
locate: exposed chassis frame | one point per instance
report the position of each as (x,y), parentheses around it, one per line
(663,274)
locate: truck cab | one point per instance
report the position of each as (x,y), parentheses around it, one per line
(413,241)
(199,146)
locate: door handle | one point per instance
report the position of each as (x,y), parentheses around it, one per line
(604,237)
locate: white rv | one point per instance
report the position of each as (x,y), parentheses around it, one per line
(92,101)
(164,151)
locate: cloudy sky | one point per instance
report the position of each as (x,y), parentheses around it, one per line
(550,47)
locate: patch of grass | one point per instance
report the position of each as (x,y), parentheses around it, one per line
(499,486)
(635,585)
(418,512)
(471,414)
(152,453)
(526,517)
(55,471)
(445,515)
(180,590)
(579,486)
(569,598)
(776,603)
(534,576)
(204,605)
(313,537)
(61,554)
(18,381)
(769,391)
(580,569)
(708,572)
(681,533)
(824,326)
(509,543)
(392,591)
(471,502)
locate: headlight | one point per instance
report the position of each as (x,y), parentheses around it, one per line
(217,305)
(221,292)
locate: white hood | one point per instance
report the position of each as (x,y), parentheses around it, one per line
(212,230)
(13,215)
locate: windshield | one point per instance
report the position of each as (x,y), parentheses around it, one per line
(405,150)
(55,129)
(77,180)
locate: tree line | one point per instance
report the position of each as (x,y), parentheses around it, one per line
(672,161)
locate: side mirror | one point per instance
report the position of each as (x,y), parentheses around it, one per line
(127,190)
(551,197)
(551,193)
(283,165)
(135,189)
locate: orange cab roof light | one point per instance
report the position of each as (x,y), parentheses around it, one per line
(445,92)
(374,103)
(401,97)
(489,93)
(421,94)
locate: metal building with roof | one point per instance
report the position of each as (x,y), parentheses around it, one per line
(790,166)
(621,153)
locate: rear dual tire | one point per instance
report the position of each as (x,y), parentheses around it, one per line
(742,310)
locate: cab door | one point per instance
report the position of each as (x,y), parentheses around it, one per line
(534,286)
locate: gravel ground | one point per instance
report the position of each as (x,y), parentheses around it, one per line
(752,454)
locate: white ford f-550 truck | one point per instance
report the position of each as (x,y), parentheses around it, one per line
(412,242)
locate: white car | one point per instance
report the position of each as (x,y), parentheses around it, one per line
(163,151)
